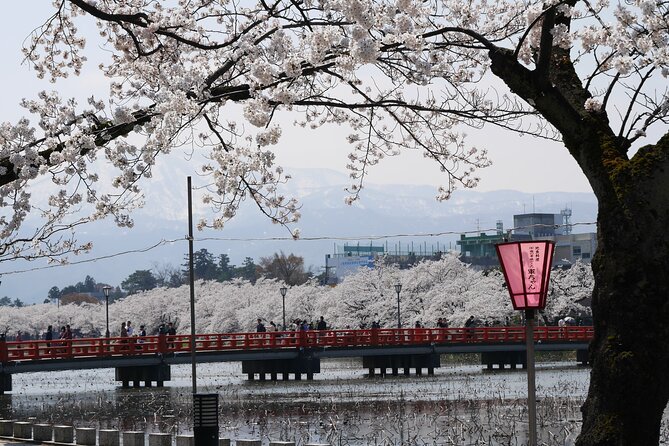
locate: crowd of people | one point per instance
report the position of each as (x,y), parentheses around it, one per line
(128,330)
(295,325)
(305,325)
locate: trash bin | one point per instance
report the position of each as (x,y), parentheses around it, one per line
(205,419)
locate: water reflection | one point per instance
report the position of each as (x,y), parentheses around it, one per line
(460,404)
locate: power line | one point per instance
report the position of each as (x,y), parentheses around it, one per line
(95,259)
(163,242)
(381,237)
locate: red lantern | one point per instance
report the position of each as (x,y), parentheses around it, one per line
(527,268)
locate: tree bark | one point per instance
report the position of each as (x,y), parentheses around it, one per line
(629,384)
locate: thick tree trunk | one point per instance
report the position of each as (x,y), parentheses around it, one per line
(629,380)
(629,384)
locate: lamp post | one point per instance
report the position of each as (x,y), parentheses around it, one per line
(527,268)
(106,290)
(398,288)
(283,290)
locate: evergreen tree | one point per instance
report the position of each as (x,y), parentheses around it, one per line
(225,270)
(140,280)
(204,265)
(54,294)
(248,270)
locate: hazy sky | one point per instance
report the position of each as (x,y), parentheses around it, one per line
(519,163)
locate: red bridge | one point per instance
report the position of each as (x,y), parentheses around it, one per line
(148,358)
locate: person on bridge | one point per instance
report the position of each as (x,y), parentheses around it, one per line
(124,331)
(260,328)
(48,336)
(171,331)
(129,329)
(375,322)
(321,324)
(470,324)
(272,326)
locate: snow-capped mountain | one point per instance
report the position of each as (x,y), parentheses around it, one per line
(383,210)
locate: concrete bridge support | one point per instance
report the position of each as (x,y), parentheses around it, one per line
(304,364)
(5,382)
(147,374)
(501,359)
(582,357)
(394,363)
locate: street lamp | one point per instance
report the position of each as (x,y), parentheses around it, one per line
(106,290)
(527,269)
(398,288)
(283,290)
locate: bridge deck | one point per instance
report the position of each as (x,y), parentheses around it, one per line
(32,356)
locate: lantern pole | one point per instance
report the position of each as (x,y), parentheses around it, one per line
(531,382)
(526,267)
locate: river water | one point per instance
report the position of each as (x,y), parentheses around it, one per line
(462,404)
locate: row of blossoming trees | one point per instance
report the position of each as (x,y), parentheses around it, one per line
(445,288)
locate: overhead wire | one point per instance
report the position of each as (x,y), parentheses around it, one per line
(163,242)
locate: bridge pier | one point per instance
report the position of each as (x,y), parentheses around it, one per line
(304,364)
(5,383)
(501,359)
(147,374)
(418,362)
(582,357)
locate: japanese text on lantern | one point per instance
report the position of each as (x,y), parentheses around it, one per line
(531,275)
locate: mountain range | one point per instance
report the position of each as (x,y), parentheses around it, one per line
(394,215)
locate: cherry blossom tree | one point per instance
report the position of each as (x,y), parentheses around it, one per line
(400,75)
(568,289)
(445,288)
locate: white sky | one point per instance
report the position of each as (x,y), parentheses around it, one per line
(544,166)
(520,163)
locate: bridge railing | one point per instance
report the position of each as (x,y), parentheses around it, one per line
(220,342)
(83,347)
